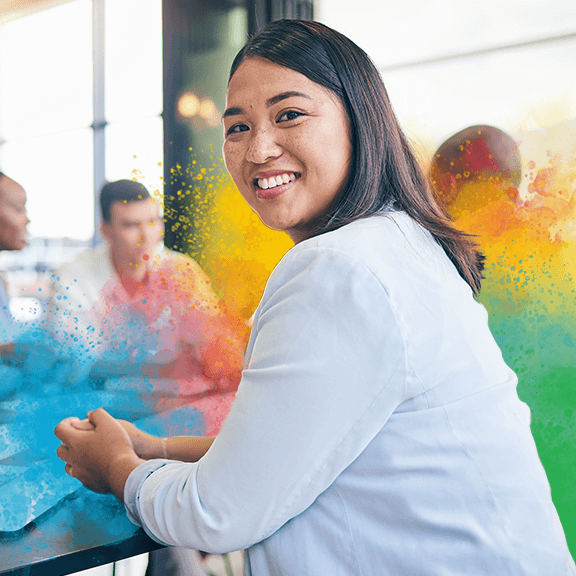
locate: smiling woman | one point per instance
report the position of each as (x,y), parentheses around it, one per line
(376,429)
(287,145)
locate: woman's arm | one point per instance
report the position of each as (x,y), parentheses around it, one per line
(149,447)
(182,448)
(325,370)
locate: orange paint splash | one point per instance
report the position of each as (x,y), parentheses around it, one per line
(527,230)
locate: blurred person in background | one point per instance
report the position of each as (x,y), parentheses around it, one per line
(13,223)
(144,309)
(149,311)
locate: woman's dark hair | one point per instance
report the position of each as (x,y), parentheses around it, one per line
(384,169)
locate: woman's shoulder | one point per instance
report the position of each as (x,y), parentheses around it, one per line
(336,254)
(380,240)
(388,250)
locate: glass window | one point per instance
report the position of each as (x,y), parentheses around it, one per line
(399,32)
(520,89)
(47,107)
(57,172)
(133,64)
(520,80)
(46,71)
(134,149)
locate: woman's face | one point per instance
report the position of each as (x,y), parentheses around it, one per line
(287,145)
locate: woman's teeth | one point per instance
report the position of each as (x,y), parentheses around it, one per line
(267,183)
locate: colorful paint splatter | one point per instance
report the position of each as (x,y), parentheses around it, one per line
(526,226)
(524,222)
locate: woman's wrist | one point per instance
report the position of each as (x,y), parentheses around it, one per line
(164,448)
(118,471)
(145,445)
(151,447)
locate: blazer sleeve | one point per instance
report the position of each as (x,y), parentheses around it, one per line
(325,369)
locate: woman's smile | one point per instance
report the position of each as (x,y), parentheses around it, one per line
(287,145)
(271,184)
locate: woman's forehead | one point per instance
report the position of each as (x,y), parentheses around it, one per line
(257,75)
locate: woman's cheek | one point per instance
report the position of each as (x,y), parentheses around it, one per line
(232,160)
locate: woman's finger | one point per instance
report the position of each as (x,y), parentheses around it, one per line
(62,452)
(82,424)
(63,430)
(99,416)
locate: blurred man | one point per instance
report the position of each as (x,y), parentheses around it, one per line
(132,229)
(143,308)
(150,311)
(13,222)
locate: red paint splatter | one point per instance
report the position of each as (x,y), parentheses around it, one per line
(477,157)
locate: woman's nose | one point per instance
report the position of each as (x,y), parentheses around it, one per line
(263,146)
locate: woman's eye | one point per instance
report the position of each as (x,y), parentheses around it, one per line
(289,115)
(237,128)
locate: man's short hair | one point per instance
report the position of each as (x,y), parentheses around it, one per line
(120,191)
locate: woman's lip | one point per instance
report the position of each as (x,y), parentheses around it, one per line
(271,193)
(273,173)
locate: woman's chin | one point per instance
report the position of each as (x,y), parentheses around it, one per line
(272,223)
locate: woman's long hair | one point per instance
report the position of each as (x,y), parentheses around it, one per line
(384,170)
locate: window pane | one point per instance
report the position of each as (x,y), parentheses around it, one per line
(133,65)
(134,149)
(398,32)
(522,90)
(57,173)
(46,71)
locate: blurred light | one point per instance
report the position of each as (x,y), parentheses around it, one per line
(209,112)
(188,105)
(207,108)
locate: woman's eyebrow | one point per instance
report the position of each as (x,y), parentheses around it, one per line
(235,110)
(283,96)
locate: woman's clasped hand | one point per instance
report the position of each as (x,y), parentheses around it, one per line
(98,451)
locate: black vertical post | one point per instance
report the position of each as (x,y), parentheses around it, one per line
(175,31)
(258,15)
(260,12)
